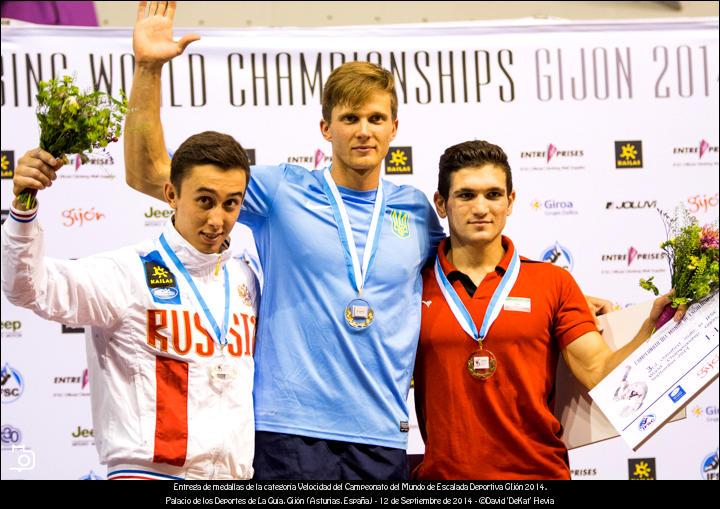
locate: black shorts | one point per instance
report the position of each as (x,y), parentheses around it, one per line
(279,456)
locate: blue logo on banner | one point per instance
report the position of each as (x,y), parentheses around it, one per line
(558,255)
(161,282)
(10,435)
(646,421)
(676,394)
(92,476)
(710,466)
(12,384)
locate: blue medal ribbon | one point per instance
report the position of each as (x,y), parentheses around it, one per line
(462,315)
(219,334)
(358,274)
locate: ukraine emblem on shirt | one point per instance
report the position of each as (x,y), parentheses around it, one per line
(400,223)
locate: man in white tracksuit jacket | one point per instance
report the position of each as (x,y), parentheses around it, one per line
(173,319)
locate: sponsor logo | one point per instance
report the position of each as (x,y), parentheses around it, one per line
(164,293)
(398,161)
(7,164)
(400,223)
(313,162)
(553,158)
(558,255)
(12,384)
(631,205)
(78,217)
(701,203)
(709,467)
(554,207)
(250,153)
(634,261)
(82,437)
(583,472)
(641,469)
(66,329)
(708,368)
(646,422)
(676,394)
(77,386)
(157,217)
(710,412)
(9,436)
(11,328)
(628,154)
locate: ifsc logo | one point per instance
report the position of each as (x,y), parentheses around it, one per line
(12,384)
(709,468)
(558,255)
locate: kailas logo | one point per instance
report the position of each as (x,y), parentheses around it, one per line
(398,161)
(646,422)
(400,223)
(641,469)
(558,255)
(12,384)
(628,154)
(160,280)
(7,164)
(710,466)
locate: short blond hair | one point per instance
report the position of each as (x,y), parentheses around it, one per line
(353,83)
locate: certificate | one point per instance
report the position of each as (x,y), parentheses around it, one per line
(662,375)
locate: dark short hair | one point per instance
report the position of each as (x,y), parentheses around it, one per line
(353,83)
(209,147)
(468,154)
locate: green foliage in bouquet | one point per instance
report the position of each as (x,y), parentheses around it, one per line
(692,253)
(75,122)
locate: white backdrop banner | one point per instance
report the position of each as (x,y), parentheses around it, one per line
(602,122)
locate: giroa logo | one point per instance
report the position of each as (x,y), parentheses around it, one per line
(400,223)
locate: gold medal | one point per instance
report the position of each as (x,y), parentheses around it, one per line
(481,364)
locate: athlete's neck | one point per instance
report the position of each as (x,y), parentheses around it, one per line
(475,260)
(358,180)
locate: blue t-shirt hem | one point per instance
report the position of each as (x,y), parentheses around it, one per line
(324,435)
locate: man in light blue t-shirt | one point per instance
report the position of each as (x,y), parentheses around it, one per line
(341,252)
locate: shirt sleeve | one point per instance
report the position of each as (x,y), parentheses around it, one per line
(573,318)
(260,195)
(88,291)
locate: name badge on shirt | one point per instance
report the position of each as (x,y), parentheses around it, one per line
(517,304)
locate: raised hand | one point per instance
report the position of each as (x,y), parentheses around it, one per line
(153,42)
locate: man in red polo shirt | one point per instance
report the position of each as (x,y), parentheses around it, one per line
(493,327)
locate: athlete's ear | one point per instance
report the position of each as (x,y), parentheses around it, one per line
(440,205)
(171,195)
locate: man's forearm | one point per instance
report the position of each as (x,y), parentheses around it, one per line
(621,354)
(147,163)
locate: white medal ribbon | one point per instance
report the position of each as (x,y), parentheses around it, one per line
(462,315)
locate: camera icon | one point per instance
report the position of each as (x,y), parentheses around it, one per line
(25,458)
